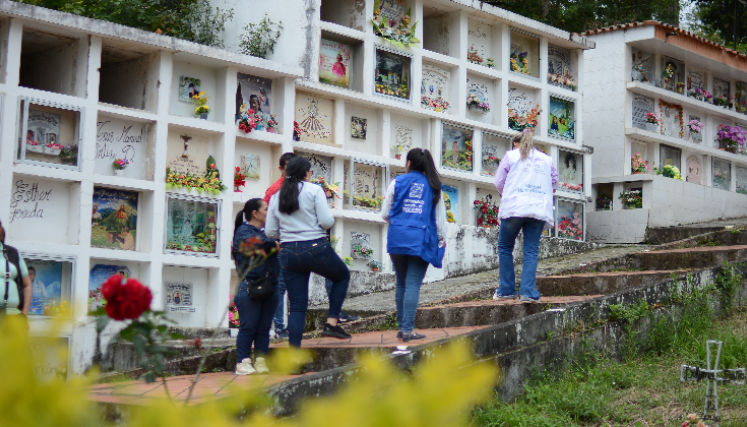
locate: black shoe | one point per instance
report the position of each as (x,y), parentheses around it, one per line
(412,336)
(399,335)
(344,317)
(282,335)
(335,332)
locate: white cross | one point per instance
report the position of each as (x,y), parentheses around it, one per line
(693,373)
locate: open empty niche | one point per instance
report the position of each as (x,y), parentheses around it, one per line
(189,79)
(103,269)
(53,62)
(48,134)
(480,99)
(362,241)
(341,61)
(185,295)
(128,78)
(125,139)
(364,135)
(43,211)
(349,13)
(483,44)
(438,30)
(256,162)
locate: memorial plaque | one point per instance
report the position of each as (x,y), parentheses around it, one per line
(641,106)
(694,170)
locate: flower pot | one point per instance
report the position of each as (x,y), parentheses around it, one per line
(119,172)
(731,149)
(721,148)
(271,130)
(486,226)
(236,190)
(398,156)
(52,151)
(637,173)
(375,269)
(679,90)
(34,148)
(203,116)
(233,332)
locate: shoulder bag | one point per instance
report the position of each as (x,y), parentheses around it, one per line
(262,287)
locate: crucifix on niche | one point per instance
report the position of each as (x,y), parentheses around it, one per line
(186,139)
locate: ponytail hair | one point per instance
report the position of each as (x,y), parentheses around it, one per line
(526,142)
(295,172)
(422,161)
(246,214)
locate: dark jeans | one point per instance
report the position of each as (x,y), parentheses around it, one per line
(298,260)
(255,320)
(279,318)
(410,271)
(510,228)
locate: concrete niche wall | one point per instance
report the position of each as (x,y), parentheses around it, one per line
(129,78)
(350,13)
(53,62)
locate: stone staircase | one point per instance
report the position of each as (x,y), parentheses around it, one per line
(575,298)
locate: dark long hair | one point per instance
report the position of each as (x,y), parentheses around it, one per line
(295,172)
(250,206)
(422,161)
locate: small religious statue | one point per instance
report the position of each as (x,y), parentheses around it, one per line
(186,139)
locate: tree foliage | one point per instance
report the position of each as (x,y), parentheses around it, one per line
(193,20)
(583,15)
(714,20)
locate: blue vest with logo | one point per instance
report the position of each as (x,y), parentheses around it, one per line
(412,220)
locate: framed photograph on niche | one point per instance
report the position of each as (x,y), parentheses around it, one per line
(392,74)
(451,202)
(570,171)
(358,127)
(192,225)
(114,219)
(51,279)
(255,93)
(100,273)
(456,148)
(50,133)
(570,219)
(335,60)
(178,297)
(188,88)
(562,119)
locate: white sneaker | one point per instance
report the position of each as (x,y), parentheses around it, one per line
(261,366)
(245,367)
(499,297)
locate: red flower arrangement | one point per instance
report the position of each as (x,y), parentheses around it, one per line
(247,120)
(239,180)
(296,131)
(488,213)
(125,298)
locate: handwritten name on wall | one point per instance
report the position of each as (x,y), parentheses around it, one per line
(122,140)
(26,200)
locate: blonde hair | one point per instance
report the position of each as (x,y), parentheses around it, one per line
(525,139)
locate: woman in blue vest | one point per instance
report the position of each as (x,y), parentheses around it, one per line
(415,211)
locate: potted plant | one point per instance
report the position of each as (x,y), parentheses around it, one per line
(119,166)
(69,154)
(247,119)
(473,56)
(680,87)
(637,164)
(487,213)
(202,109)
(398,149)
(375,265)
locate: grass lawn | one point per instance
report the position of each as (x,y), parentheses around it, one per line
(645,390)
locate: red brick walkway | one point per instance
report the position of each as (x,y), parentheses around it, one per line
(216,385)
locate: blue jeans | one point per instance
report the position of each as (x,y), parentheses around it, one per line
(410,271)
(298,260)
(510,228)
(255,320)
(279,318)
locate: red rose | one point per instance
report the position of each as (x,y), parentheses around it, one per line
(479,221)
(125,298)
(484,209)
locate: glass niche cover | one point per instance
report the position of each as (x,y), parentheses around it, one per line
(570,220)
(367,186)
(456,148)
(721,174)
(50,282)
(392,74)
(191,225)
(562,122)
(570,171)
(493,149)
(50,135)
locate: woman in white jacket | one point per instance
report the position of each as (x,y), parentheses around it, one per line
(526,179)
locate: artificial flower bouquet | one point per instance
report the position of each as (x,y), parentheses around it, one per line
(200,100)
(330,190)
(436,104)
(474,102)
(487,213)
(519,62)
(652,118)
(632,199)
(363,251)
(695,126)
(571,228)
(637,164)
(120,164)
(400,34)
(729,137)
(669,171)
(520,122)
(562,81)
(726,101)
(248,120)
(239,180)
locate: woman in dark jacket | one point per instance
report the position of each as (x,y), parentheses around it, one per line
(255,316)
(15,293)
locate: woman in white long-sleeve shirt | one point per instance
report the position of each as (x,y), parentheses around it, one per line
(298,216)
(414,208)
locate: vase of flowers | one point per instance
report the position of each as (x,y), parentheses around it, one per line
(239,180)
(731,137)
(360,251)
(680,87)
(400,34)
(695,127)
(201,107)
(119,166)
(604,202)
(631,199)
(487,213)
(637,164)
(653,121)
(477,104)
(669,171)
(519,122)
(398,150)
(571,228)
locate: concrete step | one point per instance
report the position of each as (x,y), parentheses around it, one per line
(602,283)
(696,258)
